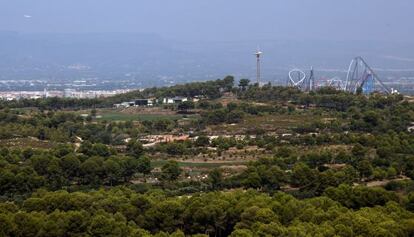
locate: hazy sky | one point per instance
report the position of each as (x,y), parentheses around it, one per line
(389,20)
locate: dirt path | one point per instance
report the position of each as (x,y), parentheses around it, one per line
(384,182)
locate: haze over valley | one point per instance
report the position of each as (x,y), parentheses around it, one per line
(34,61)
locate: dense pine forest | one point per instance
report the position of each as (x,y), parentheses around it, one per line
(233,159)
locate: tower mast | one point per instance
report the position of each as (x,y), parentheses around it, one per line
(258,73)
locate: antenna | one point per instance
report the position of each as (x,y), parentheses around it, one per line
(258,73)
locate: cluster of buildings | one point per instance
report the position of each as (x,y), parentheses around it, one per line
(153,101)
(152,140)
(67,93)
(17,95)
(71,93)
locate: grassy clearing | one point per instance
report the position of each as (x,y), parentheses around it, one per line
(141,117)
(119,116)
(27,143)
(26,109)
(210,165)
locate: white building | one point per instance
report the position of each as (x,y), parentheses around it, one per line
(174,100)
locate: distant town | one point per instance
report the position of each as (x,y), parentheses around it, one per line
(66,93)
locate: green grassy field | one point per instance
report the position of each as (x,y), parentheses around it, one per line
(118,116)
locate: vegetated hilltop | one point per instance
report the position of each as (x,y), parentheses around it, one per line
(230,160)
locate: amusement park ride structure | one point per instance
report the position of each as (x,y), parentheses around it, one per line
(336,83)
(298,78)
(360,77)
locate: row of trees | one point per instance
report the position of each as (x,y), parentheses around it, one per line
(91,166)
(122,212)
(22,172)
